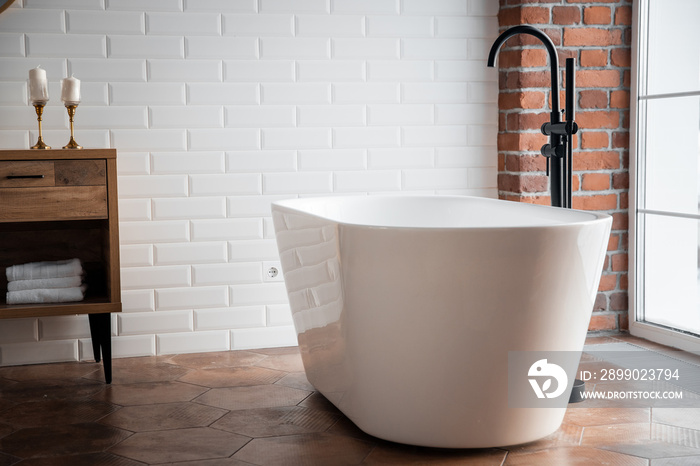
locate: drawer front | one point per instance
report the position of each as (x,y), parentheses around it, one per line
(26,174)
(80,172)
(53,203)
(29,174)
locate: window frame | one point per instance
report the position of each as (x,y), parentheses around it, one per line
(637,147)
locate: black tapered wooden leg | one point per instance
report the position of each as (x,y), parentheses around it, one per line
(95,335)
(101,334)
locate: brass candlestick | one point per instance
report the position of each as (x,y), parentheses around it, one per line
(39,107)
(71,106)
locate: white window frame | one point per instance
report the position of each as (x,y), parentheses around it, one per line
(649,331)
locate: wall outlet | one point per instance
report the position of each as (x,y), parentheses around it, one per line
(272,271)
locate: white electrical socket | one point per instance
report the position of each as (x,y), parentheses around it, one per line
(272,271)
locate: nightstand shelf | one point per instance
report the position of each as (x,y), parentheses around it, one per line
(62,204)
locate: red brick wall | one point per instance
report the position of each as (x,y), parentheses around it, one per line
(598,35)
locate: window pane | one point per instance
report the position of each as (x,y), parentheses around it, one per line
(672,153)
(674,51)
(670,288)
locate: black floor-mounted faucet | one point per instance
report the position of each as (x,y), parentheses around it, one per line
(559,151)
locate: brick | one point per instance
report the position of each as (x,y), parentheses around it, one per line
(620,99)
(613,242)
(596,181)
(539,200)
(624,321)
(620,221)
(624,200)
(525,100)
(596,160)
(597,15)
(621,57)
(526,121)
(524,163)
(522,184)
(601,302)
(597,202)
(618,301)
(626,78)
(529,142)
(521,58)
(575,183)
(501,161)
(623,15)
(608,282)
(597,78)
(523,15)
(594,140)
(603,322)
(593,99)
(566,15)
(594,58)
(621,180)
(527,79)
(598,119)
(624,281)
(621,139)
(526,40)
(590,37)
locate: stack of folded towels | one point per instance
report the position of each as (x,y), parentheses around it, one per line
(45,282)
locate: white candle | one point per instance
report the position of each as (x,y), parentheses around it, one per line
(38,85)
(70,90)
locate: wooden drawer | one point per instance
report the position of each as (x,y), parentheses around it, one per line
(52,190)
(26,174)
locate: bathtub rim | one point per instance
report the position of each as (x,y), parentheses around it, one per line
(289,205)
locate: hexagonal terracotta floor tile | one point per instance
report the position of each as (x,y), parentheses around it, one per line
(618,433)
(296,380)
(257,396)
(61,440)
(51,389)
(307,449)
(180,445)
(89,459)
(572,456)
(407,455)
(653,449)
(149,393)
(232,377)
(50,371)
(216,462)
(130,370)
(217,359)
(54,412)
(163,416)
(267,422)
(283,362)
(566,435)
(587,417)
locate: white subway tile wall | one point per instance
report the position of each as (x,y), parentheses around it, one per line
(218,108)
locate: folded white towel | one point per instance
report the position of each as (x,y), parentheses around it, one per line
(56,295)
(44,283)
(46,269)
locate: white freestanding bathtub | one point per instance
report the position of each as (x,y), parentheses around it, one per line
(406,307)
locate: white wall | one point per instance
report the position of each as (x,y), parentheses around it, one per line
(216,108)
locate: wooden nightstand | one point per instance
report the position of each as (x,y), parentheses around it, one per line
(60,204)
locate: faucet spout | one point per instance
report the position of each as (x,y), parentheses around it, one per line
(559,151)
(549,45)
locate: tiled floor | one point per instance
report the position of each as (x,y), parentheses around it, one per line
(256,407)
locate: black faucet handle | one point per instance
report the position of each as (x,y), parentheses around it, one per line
(570,109)
(553,151)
